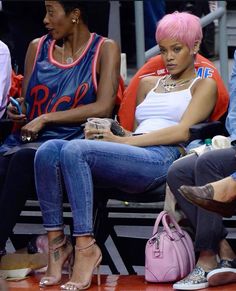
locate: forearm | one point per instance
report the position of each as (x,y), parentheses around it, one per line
(166,136)
(77,115)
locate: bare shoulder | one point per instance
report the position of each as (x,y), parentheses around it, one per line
(149,82)
(33,45)
(110,45)
(206,83)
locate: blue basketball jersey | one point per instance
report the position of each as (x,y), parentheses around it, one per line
(54,86)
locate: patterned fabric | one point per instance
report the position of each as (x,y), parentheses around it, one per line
(195,280)
(228,263)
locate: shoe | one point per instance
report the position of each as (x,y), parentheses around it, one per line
(203,197)
(85,285)
(54,254)
(196,280)
(225,274)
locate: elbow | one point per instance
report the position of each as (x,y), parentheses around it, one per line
(108,112)
(103,112)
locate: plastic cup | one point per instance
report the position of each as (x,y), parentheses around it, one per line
(98,123)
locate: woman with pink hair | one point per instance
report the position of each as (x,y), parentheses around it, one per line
(166,108)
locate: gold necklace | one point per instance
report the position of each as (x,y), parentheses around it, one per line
(170,86)
(70,59)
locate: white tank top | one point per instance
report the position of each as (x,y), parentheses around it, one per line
(160,110)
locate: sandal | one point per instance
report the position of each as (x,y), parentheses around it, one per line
(55,255)
(85,285)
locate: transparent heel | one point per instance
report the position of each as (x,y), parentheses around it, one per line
(85,285)
(64,250)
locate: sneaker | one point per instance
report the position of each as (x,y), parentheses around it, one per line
(225,274)
(194,281)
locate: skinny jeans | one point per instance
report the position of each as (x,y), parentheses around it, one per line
(78,165)
(198,171)
(16,186)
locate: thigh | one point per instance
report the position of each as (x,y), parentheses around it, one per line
(215,165)
(130,168)
(20,174)
(182,172)
(4,162)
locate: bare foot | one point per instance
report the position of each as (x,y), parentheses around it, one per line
(224,190)
(207,260)
(60,249)
(225,251)
(86,259)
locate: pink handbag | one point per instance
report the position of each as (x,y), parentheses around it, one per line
(169,253)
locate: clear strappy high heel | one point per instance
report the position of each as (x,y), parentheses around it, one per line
(64,247)
(85,285)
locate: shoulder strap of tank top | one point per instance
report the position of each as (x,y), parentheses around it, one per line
(193,82)
(158,81)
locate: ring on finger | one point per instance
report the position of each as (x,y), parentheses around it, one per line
(23,138)
(99,136)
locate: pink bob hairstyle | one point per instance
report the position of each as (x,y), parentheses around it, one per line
(181,26)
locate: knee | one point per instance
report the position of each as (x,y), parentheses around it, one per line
(205,162)
(47,153)
(175,171)
(73,150)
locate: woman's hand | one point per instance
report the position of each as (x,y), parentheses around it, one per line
(13,114)
(30,131)
(101,134)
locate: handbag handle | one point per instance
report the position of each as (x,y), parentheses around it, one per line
(158,220)
(163,216)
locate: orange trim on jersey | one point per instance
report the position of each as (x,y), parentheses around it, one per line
(76,62)
(38,49)
(94,64)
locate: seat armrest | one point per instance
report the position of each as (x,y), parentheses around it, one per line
(207,130)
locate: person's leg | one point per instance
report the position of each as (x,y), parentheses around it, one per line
(4,161)
(49,185)
(85,163)
(207,238)
(17,186)
(225,189)
(181,173)
(216,165)
(199,171)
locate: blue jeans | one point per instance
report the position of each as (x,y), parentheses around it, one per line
(78,165)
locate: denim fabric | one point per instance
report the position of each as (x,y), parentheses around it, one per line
(80,164)
(231,117)
(234,175)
